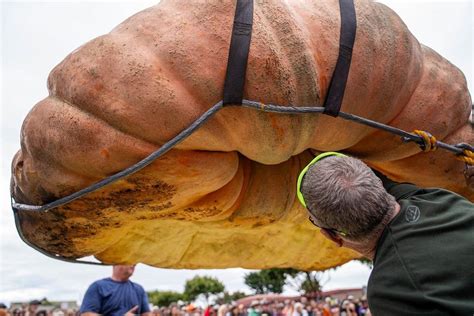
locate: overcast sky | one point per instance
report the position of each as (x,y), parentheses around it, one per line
(37,35)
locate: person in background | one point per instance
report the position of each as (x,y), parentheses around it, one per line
(299,310)
(335,310)
(363,306)
(348,308)
(289,308)
(3,310)
(175,310)
(222,310)
(266,308)
(116,295)
(32,308)
(254,309)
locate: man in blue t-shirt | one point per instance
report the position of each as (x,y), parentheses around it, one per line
(116,295)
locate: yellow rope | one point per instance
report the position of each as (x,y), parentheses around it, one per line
(429,141)
(467,157)
(429,144)
(468,153)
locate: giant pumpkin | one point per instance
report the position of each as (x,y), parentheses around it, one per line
(225,197)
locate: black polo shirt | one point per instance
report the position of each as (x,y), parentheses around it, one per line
(424,262)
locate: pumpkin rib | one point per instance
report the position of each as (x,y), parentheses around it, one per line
(466,125)
(172,76)
(375,132)
(97,115)
(312,69)
(82,169)
(40,190)
(128,139)
(458,119)
(119,53)
(295,51)
(107,123)
(48,155)
(176,49)
(423,103)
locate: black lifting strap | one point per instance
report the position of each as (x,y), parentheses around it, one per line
(238,53)
(335,94)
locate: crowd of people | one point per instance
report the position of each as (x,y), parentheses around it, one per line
(300,307)
(34,308)
(297,307)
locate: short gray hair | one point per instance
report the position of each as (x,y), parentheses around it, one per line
(343,193)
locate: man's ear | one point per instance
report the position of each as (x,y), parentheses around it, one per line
(332,236)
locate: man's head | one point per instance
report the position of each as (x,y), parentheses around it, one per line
(33,305)
(3,310)
(299,307)
(343,195)
(123,272)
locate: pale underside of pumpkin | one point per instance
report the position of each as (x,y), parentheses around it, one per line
(225,197)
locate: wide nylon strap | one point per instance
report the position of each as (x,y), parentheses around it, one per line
(305,169)
(337,86)
(238,53)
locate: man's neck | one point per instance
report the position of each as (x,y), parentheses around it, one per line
(369,247)
(117,278)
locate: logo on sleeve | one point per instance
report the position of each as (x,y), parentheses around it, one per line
(412,214)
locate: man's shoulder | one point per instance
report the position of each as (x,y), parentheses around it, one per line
(438,205)
(414,258)
(137,286)
(102,281)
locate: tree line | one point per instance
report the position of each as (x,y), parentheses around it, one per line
(261,282)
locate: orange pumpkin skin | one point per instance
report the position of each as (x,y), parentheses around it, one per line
(226,196)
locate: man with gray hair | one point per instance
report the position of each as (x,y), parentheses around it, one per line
(421,241)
